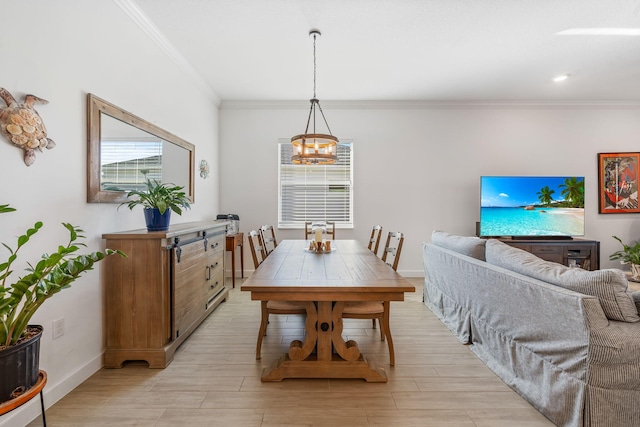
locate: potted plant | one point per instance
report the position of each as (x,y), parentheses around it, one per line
(628,255)
(158,200)
(21,298)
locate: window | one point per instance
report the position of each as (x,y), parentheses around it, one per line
(315,193)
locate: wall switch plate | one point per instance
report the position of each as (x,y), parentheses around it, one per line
(58,328)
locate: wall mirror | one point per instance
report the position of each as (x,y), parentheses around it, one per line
(124,150)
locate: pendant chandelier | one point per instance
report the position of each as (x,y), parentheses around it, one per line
(314,148)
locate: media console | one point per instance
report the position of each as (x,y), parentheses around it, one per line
(584,253)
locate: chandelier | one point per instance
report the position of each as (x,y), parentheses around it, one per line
(314,148)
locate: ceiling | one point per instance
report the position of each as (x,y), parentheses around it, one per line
(400,50)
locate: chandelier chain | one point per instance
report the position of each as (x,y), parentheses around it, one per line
(314,65)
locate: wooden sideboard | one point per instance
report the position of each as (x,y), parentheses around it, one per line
(167,285)
(585,253)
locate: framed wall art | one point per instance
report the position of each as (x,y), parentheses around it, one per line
(618,182)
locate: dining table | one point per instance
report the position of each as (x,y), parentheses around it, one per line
(323,281)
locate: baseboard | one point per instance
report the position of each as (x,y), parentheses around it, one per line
(52,393)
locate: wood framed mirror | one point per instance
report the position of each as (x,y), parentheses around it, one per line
(125,150)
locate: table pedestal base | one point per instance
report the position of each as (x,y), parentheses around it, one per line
(335,368)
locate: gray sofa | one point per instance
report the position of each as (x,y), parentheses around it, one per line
(565,339)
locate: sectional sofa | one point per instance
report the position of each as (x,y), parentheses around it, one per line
(566,339)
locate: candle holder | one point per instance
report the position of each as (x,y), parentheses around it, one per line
(319,247)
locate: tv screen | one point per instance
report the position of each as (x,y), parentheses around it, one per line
(528,206)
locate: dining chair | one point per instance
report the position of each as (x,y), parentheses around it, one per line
(374,240)
(392,249)
(268,307)
(329,228)
(256,246)
(268,238)
(379,309)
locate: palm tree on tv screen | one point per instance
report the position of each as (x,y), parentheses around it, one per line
(545,195)
(573,192)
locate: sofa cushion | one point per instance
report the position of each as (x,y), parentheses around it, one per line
(636,299)
(469,246)
(610,286)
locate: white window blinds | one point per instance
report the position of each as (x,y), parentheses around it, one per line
(315,193)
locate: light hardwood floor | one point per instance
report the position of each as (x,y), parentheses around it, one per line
(214,380)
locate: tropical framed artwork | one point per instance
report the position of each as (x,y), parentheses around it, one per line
(618,182)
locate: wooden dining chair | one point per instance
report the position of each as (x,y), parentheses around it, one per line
(256,246)
(268,307)
(373,310)
(328,226)
(393,248)
(379,309)
(275,307)
(268,238)
(374,240)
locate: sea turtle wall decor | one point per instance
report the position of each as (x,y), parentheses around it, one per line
(22,126)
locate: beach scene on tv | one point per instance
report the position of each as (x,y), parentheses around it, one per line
(531,206)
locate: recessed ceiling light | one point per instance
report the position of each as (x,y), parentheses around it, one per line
(600,32)
(561,78)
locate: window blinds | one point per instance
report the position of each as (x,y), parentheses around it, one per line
(315,193)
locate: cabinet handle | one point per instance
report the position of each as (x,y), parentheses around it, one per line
(215,245)
(214,285)
(178,248)
(208,273)
(215,265)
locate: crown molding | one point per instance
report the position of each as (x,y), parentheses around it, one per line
(435,105)
(148,27)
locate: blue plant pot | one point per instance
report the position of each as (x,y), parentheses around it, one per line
(157,221)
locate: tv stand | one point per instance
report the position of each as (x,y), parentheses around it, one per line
(584,253)
(565,238)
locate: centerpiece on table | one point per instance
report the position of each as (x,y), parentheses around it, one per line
(319,243)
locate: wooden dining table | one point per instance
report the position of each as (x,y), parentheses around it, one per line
(323,282)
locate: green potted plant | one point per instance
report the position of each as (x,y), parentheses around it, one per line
(21,298)
(628,255)
(158,200)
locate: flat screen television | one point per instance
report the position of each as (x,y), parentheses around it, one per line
(531,206)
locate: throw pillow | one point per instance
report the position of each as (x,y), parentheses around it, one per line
(469,246)
(610,286)
(636,299)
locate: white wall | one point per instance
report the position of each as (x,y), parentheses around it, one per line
(417,168)
(61,53)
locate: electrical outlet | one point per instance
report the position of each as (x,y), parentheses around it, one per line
(58,328)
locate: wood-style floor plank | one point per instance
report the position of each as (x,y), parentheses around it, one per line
(214,380)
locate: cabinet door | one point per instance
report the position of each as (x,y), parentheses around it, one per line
(190,272)
(523,246)
(552,253)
